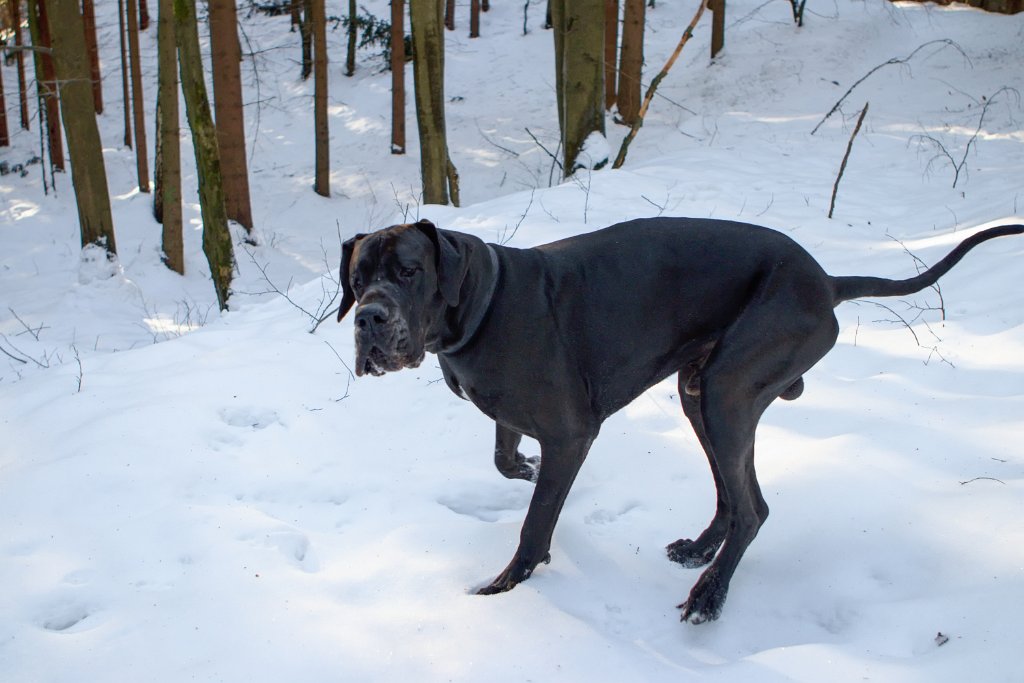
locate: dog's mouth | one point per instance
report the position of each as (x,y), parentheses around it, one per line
(373,360)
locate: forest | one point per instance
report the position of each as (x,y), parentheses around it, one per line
(195,486)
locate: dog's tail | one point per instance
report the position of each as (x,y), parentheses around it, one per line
(855,287)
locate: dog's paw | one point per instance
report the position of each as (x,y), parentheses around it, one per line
(524,467)
(706,599)
(515,573)
(689,554)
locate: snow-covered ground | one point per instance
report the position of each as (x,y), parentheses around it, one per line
(186,495)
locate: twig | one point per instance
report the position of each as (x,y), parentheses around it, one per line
(35,332)
(507,236)
(888,62)
(846,157)
(639,122)
(959,166)
(985,478)
(78,360)
(546,150)
(351,375)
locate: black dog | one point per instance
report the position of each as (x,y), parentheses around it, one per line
(551,341)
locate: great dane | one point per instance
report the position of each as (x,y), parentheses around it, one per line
(550,341)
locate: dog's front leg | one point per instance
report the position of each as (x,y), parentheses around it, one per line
(560,462)
(507,458)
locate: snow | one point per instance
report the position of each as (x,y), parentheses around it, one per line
(186,495)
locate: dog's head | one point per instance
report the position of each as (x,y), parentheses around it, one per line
(403,279)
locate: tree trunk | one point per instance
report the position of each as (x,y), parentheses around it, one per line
(717,8)
(474,18)
(168,189)
(5,136)
(88,174)
(306,34)
(397,77)
(579,64)
(226,54)
(216,236)
(124,76)
(611,50)
(631,61)
(138,101)
(19,58)
(89,17)
(143,15)
(449,14)
(46,80)
(350,56)
(440,181)
(322,182)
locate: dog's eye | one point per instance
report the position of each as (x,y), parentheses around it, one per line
(356,283)
(406,272)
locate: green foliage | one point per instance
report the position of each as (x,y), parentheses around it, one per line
(373,32)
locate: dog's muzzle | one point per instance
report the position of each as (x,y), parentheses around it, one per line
(383,342)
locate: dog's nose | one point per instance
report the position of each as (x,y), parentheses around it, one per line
(371,316)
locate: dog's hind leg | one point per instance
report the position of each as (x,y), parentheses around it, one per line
(507,458)
(780,335)
(699,552)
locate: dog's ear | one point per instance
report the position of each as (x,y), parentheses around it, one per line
(348,297)
(448,261)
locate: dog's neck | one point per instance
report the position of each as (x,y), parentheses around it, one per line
(471,315)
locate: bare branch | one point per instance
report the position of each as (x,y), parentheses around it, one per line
(889,62)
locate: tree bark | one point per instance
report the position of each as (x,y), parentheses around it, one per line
(717,8)
(143,15)
(226,53)
(46,80)
(89,18)
(611,51)
(474,18)
(322,182)
(440,180)
(216,236)
(579,64)
(631,61)
(19,59)
(138,101)
(449,14)
(306,34)
(124,76)
(5,136)
(350,53)
(397,77)
(168,190)
(88,174)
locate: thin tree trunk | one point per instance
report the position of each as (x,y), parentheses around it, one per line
(216,236)
(440,180)
(474,18)
(168,189)
(306,33)
(143,15)
(350,56)
(631,61)
(579,56)
(611,50)
(124,76)
(620,158)
(397,76)
(5,136)
(322,182)
(46,80)
(296,13)
(89,18)
(717,8)
(19,58)
(226,53)
(449,14)
(88,174)
(138,106)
